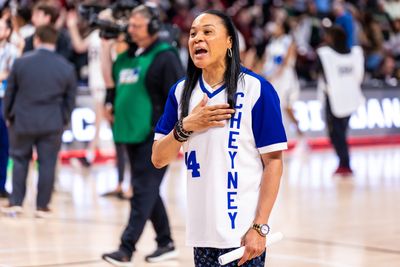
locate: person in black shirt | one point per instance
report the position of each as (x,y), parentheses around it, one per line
(46,14)
(142,79)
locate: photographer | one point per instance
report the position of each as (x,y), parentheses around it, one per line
(142,81)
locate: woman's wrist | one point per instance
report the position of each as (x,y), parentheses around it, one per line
(180,134)
(185,124)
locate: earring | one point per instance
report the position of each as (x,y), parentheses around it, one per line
(229,52)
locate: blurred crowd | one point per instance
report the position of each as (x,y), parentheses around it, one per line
(372,24)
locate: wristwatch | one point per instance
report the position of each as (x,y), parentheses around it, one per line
(262,229)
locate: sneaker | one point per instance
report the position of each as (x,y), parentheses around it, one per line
(85,162)
(90,156)
(11,210)
(117,258)
(43,213)
(343,171)
(118,194)
(163,253)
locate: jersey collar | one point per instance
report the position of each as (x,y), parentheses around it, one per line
(204,86)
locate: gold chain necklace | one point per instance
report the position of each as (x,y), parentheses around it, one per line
(215,84)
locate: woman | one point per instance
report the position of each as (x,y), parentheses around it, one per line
(91,45)
(229,123)
(99,80)
(279,67)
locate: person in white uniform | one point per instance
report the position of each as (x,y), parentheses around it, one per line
(228,121)
(343,72)
(92,45)
(97,81)
(279,67)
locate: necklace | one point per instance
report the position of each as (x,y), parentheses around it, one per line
(215,84)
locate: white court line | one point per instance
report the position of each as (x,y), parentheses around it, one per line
(50,249)
(306,260)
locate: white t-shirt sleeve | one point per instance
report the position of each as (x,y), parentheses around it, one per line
(170,116)
(268,130)
(14,54)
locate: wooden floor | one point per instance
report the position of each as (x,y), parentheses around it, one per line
(326,221)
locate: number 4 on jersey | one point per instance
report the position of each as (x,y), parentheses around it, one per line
(192,164)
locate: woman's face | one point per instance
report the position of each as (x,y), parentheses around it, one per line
(277,30)
(208,41)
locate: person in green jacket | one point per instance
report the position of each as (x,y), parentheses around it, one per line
(143,80)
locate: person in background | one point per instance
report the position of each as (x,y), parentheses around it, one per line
(92,46)
(228,121)
(340,81)
(8,53)
(39,99)
(279,68)
(23,22)
(345,20)
(45,13)
(22,28)
(142,78)
(110,49)
(372,42)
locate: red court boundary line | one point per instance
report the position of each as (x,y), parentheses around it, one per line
(354,141)
(314,143)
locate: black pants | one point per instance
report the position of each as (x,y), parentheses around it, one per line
(47,147)
(4,147)
(337,129)
(120,155)
(146,202)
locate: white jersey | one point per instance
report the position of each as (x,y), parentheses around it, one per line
(8,54)
(275,54)
(287,83)
(224,167)
(96,80)
(344,74)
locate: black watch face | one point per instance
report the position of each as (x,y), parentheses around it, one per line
(264,229)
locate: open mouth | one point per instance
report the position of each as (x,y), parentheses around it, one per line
(200,51)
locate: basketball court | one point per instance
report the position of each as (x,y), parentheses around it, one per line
(326,221)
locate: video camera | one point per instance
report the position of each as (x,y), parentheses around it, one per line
(120,10)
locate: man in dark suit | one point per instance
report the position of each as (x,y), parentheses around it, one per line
(38,102)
